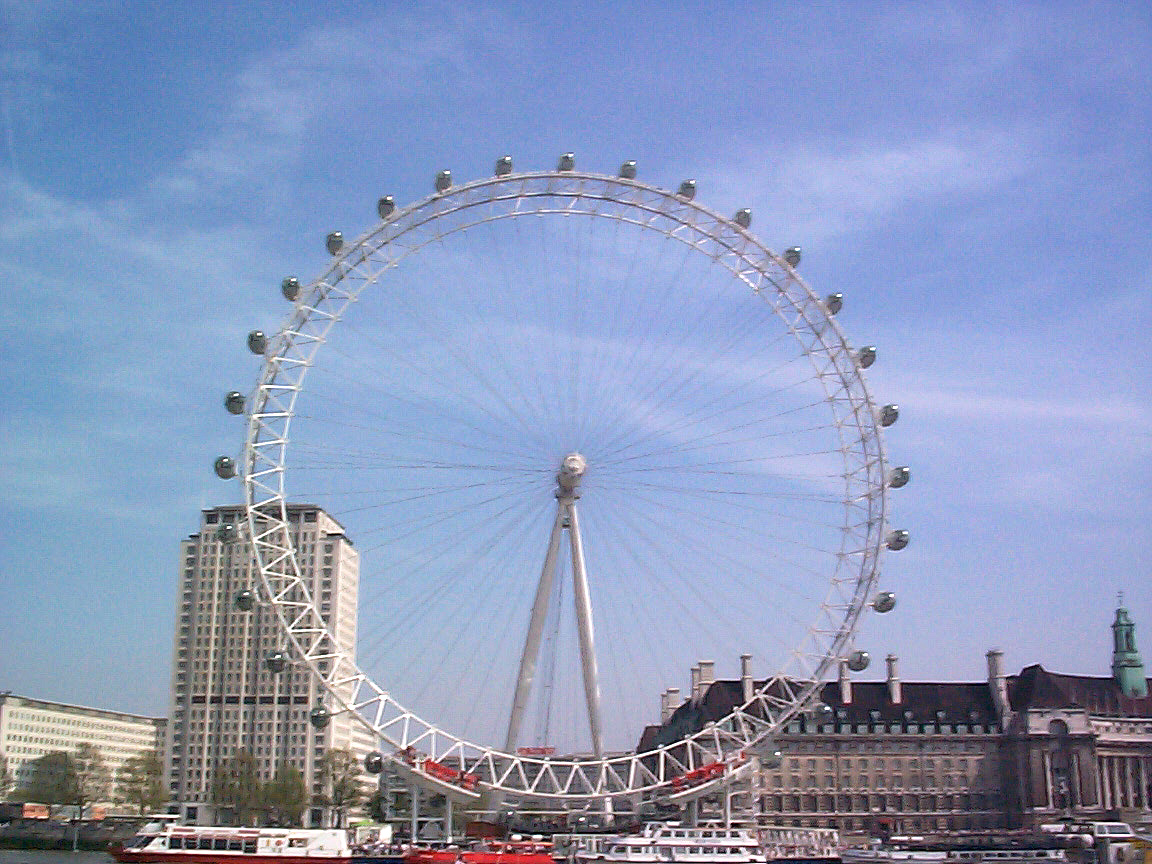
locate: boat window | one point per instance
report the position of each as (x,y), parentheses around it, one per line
(298,841)
(233,844)
(250,845)
(220,843)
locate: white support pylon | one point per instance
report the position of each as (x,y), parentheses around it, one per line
(567,491)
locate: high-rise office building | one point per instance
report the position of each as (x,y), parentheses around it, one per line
(226,694)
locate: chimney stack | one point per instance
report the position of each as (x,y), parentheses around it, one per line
(845,684)
(895,693)
(673,697)
(998,685)
(746,677)
(707,673)
(696,683)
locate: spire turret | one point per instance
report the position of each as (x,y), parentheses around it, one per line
(1127,667)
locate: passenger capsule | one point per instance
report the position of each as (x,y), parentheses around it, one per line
(503,169)
(897,540)
(885,602)
(245,601)
(772,759)
(628,170)
(687,189)
(858,661)
(567,162)
(386,206)
(225,467)
(866,356)
(334,242)
(889,414)
(319,717)
(257,342)
(443,180)
(834,303)
(822,712)
(290,288)
(899,477)
(234,402)
(227,532)
(792,255)
(743,217)
(276,661)
(374,763)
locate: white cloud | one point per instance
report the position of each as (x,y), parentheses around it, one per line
(821,193)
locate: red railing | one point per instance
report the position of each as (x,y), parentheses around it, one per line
(698,776)
(448,774)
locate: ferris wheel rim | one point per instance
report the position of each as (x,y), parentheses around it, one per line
(291,355)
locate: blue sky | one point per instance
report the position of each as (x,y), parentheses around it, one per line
(975,178)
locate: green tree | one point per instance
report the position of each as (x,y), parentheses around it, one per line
(5,777)
(93,777)
(52,780)
(287,795)
(140,782)
(236,786)
(340,770)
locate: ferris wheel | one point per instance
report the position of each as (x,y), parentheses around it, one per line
(585,433)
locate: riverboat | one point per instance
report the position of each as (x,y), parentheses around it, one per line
(1111,842)
(165,843)
(486,851)
(900,852)
(800,845)
(670,843)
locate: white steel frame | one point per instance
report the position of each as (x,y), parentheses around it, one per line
(785,695)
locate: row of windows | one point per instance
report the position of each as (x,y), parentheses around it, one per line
(873,803)
(239,516)
(888,746)
(894,781)
(906,728)
(846,764)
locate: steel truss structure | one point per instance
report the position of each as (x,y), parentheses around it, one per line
(467,769)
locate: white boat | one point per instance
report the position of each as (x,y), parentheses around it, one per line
(165,843)
(962,849)
(886,854)
(670,843)
(795,843)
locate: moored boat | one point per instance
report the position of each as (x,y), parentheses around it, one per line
(670,843)
(799,844)
(164,843)
(486,851)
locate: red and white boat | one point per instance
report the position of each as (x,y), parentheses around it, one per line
(165,843)
(486,852)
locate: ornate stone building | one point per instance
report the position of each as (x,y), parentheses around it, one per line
(1006,752)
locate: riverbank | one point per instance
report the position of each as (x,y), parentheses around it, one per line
(49,835)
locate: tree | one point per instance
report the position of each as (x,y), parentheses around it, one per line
(5,777)
(287,795)
(140,782)
(52,780)
(341,772)
(93,778)
(236,786)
